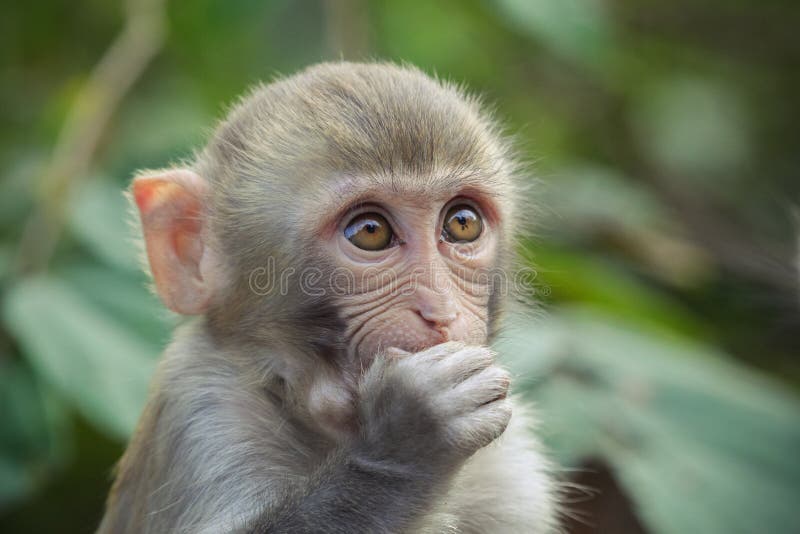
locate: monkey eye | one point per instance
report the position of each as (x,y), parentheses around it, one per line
(462,224)
(369,231)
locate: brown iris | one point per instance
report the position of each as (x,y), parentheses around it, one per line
(462,224)
(369,231)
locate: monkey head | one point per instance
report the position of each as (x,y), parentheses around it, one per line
(344,211)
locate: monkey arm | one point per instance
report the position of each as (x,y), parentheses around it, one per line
(422,416)
(353,493)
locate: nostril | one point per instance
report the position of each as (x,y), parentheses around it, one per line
(439,319)
(423,316)
(438,308)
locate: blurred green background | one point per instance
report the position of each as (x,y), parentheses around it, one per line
(666,138)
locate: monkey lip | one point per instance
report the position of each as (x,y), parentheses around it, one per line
(444,332)
(435,337)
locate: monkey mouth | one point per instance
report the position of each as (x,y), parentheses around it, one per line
(436,336)
(411,334)
(444,332)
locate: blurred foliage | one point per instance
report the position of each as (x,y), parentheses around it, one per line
(664,138)
(700,444)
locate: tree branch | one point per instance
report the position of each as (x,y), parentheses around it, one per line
(87,120)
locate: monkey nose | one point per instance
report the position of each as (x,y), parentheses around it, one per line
(437,308)
(437,317)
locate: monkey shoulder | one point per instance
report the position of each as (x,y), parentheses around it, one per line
(207,424)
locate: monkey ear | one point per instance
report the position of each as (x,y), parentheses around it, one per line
(172,210)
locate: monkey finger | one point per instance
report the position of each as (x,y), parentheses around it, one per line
(480,389)
(463,364)
(425,363)
(480,427)
(439,352)
(396,352)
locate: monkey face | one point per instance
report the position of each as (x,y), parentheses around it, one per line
(333,216)
(414,266)
(341,213)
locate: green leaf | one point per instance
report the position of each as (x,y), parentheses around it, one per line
(17,187)
(582,278)
(5,261)
(32,437)
(578,29)
(93,360)
(99,219)
(696,128)
(157,128)
(701,444)
(600,205)
(124,296)
(589,194)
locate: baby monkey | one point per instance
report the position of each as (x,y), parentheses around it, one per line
(339,240)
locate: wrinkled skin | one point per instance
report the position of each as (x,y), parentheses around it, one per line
(422,292)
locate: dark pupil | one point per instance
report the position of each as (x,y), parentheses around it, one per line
(462,220)
(370,227)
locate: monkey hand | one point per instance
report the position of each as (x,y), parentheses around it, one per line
(433,409)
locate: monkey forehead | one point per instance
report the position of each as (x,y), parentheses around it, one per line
(368,119)
(340,130)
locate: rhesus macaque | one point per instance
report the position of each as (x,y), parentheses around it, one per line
(338,240)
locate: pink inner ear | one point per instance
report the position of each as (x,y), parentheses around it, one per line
(144,190)
(170,206)
(186,238)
